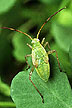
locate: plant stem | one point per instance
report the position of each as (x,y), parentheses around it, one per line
(7,104)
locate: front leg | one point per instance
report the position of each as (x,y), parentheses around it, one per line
(27,60)
(29,46)
(45,44)
(42,41)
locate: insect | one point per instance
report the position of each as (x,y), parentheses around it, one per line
(39,55)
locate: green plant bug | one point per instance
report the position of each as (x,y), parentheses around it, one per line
(39,55)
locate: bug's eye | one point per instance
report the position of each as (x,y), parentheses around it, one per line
(33,41)
(38,40)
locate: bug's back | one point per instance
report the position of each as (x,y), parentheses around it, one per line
(40,61)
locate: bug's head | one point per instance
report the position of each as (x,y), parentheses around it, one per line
(35,40)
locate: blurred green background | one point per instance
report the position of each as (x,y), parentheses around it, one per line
(28,16)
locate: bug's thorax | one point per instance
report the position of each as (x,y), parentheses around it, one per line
(35,43)
(37,48)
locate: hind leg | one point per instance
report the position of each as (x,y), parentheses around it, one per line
(54,51)
(32,69)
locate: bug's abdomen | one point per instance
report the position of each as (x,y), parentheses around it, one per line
(40,61)
(43,71)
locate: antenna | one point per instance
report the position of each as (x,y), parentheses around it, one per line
(17,31)
(47,21)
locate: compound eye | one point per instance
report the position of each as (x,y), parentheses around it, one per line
(38,40)
(33,41)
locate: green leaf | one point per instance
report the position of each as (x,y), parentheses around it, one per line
(50,1)
(70,55)
(62,35)
(7,104)
(62,29)
(6,4)
(57,91)
(65,18)
(4,88)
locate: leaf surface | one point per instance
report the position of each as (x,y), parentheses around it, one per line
(6,4)
(57,91)
(70,55)
(62,35)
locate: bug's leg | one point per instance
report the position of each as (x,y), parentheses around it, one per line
(27,60)
(29,46)
(34,84)
(52,51)
(46,45)
(42,41)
